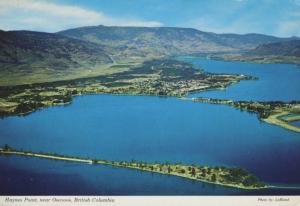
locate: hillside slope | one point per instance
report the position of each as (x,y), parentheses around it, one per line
(161,41)
(146,42)
(30,57)
(250,41)
(45,55)
(278,52)
(287,48)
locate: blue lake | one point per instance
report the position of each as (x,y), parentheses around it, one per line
(156,129)
(276,81)
(295,123)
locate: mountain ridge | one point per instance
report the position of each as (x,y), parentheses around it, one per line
(287,48)
(30,56)
(39,55)
(34,42)
(253,38)
(157,42)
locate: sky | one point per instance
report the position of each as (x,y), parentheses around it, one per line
(273,17)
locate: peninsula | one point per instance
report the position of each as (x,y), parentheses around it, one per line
(156,77)
(231,177)
(273,112)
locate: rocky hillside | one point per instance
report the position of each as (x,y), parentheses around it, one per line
(45,49)
(42,56)
(160,41)
(31,57)
(286,48)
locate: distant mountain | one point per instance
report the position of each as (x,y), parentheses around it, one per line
(286,48)
(159,41)
(287,51)
(148,42)
(250,41)
(30,57)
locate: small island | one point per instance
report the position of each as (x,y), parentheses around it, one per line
(230,177)
(273,112)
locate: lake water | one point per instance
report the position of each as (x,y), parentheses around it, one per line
(276,81)
(156,129)
(295,123)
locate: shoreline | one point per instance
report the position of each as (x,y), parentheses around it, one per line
(32,110)
(268,116)
(148,167)
(248,59)
(164,77)
(274,119)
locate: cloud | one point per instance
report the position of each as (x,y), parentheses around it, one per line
(273,18)
(287,28)
(290,25)
(51,17)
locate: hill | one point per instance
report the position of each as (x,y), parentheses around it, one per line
(250,41)
(277,52)
(286,48)
(31,57)
(147,42)
(160,41)
(46,56)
